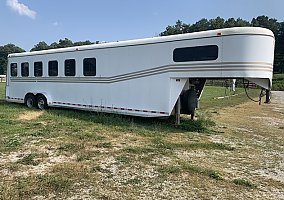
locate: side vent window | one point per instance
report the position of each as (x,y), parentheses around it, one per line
(89,67)
(70,67)
(13,67)
(37,69)
(53,68)
(25,69)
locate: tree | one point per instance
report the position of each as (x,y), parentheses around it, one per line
(201,25)
(266,22)
(65,43)
(61,44)
(231,22)
(4,51)
(242,23)
(53,45)
(178,28)
(40,46)
(87,42)
(279,50)
(216,23)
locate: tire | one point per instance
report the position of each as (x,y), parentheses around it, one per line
(192,102)
(41,102)
(30,101)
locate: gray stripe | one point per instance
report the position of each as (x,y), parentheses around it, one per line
(151,72)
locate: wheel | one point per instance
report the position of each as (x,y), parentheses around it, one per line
(41,102)
(192,102)
(30,101)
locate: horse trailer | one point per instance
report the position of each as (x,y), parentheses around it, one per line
(153,77)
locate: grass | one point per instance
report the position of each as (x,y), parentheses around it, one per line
(244,182)
(71,154)
(278,82)
(210,96)
(28,160)
(188,168)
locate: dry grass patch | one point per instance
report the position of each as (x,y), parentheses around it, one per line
(30,115)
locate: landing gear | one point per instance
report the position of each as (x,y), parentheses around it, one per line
(267,96)
(188,101)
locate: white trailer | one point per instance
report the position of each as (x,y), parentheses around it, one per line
(145,77)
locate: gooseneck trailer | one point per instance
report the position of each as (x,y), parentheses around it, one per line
(153,77)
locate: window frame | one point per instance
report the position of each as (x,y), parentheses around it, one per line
(72,67)
(14,66)
(51,70)
(89,71)
(35,69)
(25,69)
(196,53)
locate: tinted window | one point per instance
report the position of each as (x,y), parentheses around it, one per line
(199,53)
(89,67)
(38,68)
(13,69)
(53,68)
(25,69)
(70,66)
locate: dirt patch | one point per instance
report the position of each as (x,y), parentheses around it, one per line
(30,115)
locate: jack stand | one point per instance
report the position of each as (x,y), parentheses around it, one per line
(178,112)
(260,96)
(267,96)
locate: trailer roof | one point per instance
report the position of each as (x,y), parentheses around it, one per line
(195,35)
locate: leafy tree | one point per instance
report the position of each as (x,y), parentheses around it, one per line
(53,45)
(266,22)
(61,44)
(216,23)
(4,51)
(178,28)
(201,25)
(242,23)
(279,50)
(231,22)
(40,46)
(65,43)
(87,42)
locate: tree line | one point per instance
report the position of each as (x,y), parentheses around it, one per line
(179,28)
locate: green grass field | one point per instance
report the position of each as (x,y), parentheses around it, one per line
(278,82)
(2,91)
(209,99)
(61,153)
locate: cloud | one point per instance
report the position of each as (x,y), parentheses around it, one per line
(55,23)
(21,9)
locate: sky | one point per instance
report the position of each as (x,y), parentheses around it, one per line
(27,22)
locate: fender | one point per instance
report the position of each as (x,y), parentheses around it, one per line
(47,96)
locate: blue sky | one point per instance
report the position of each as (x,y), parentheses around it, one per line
(27,22)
